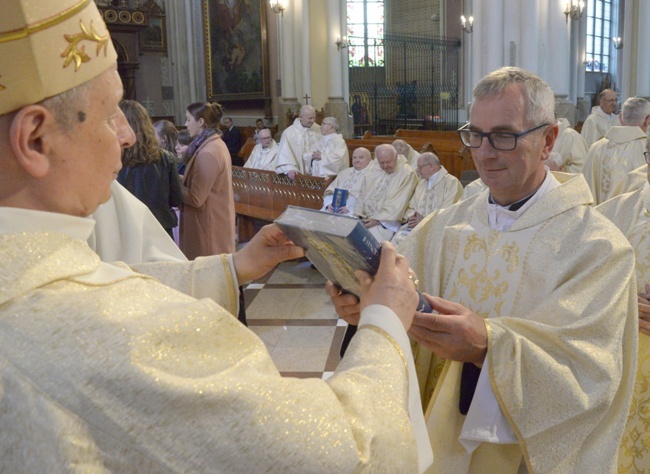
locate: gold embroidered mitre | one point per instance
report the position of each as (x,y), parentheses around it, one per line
(48,47)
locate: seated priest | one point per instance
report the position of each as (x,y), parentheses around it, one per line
(407,150)
(385,192)
(570,150)
(437,189)
(264,155)
(350,180)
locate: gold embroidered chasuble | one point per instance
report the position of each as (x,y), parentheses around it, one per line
(632,181)
(609,159)
(106,370)
(631,213)
(444,192)
(558,293)
(385,197)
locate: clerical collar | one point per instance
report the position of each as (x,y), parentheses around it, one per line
(515,206)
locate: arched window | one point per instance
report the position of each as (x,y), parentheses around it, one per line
(365,33)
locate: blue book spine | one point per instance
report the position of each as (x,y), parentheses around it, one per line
(367,246)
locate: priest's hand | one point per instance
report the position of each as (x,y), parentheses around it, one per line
(292,175)
(369,223)
(644,312)
(347,306)
(455,333)
(415,219)
(390,286)
(268,248)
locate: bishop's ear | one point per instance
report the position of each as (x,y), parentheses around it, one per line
(30,134)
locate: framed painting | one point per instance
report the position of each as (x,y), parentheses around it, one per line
(236,55)
(153,39)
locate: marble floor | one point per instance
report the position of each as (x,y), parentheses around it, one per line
(291,312)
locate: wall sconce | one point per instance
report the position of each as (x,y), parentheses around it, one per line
(575,9)
(341,43)
(278,6)
(618,43)
(467,25)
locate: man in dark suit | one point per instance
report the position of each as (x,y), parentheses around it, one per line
(232,139)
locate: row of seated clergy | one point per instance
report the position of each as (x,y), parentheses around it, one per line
(265,154)
(620,151)
(437,189)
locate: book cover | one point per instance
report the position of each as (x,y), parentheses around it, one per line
(339,199)
(337,245)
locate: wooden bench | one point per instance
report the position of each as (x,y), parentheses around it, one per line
(265,195)
(446,145)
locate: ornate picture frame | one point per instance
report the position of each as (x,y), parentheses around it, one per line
(236,54)
(153,39)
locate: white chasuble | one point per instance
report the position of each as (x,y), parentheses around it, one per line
(106,370)
(631,213)
(556,290)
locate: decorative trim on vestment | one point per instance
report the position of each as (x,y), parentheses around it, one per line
(230,278)
(392,340)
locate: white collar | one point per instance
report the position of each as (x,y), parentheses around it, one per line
(13,220)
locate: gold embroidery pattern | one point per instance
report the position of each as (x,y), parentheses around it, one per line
(78,54)
(482,285)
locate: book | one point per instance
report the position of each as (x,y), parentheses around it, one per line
(339,199)
(337,245)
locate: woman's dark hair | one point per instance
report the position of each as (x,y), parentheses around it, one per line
(210,112)
(184,138)
(145,150)
(168,134)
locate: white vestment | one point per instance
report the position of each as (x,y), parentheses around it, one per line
(596,125)
(263,158)
(106,370)
(473,188)
(631,214)
(296,143)
(610,158)
(385,197)
(349,179)
(570,149)
(438,192)
(559,303)
(334,157)
(632,181)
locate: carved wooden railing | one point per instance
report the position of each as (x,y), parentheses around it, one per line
(265,195)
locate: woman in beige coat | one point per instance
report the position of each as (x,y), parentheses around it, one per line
(208,214)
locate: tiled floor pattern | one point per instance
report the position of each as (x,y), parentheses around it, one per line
(291,312)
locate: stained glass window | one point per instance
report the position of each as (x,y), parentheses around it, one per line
(365,33)
(601,29)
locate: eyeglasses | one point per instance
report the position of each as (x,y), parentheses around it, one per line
(426,164)
(611,101)
(502,141)
(646,155)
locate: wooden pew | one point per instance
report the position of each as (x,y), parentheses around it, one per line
(265,195)
(446,145)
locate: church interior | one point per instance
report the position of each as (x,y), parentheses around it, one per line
(384,70)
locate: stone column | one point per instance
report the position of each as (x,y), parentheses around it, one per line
(336,59)
(288,101)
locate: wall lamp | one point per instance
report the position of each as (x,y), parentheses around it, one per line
(467,25)
(574,9)
(278,6)
(341,43)
(618,43)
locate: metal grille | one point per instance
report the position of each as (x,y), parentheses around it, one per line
(410,83)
